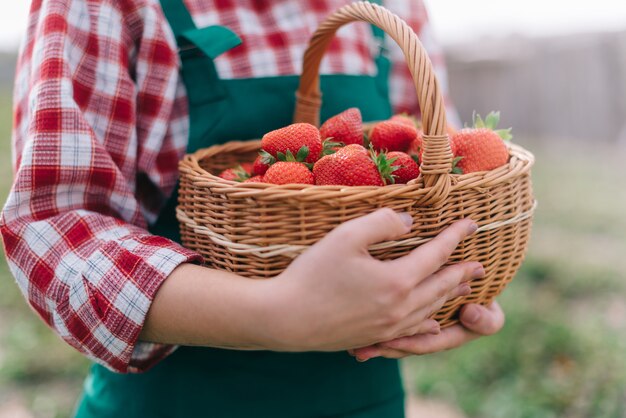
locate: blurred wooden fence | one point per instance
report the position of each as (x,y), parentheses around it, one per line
(572,87)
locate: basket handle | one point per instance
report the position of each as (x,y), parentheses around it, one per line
(437,157)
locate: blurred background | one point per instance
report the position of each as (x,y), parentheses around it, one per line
(557,71)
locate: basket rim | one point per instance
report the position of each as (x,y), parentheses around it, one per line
(520,163)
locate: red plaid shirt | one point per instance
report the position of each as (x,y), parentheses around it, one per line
(100,124)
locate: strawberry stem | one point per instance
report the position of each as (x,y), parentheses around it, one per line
(329,146)
(385,166)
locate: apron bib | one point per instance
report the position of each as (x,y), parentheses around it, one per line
(207,382)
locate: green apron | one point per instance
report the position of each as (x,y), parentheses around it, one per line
(207,382)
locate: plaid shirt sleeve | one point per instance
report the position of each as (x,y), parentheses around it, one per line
(402,91)
(100,122)
(94,92)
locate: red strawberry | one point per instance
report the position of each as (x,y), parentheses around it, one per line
(288,172)
(392,136)
(417,146)
(238,173)
(247,167)
(346,127)
(406,119)
(481,148)
(407,168)
(262,163)
(353,166)
(255,179)
(300,139)
(353,148)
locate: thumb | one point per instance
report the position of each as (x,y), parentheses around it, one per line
(381,225)
(483,320)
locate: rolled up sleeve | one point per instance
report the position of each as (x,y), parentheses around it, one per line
(89,178)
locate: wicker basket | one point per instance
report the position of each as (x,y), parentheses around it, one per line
(256,229)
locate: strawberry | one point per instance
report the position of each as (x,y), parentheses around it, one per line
(237,173)
(288,172)
(353,166)
(298,138)
(346,127)
(481,148)
(407,168)
(247,167)
(406,119)
(353,148)
(416,147)
(392,136)
(255,179)
(262,163)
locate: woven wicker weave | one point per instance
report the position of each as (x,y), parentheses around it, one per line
(256,229)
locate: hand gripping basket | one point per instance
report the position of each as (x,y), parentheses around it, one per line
(256,229)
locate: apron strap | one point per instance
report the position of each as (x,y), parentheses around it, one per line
(198,47)
(212,41)
(178,17)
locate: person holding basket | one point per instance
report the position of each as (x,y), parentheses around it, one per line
(109,96)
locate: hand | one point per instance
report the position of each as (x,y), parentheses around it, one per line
(336,296)
(476,321)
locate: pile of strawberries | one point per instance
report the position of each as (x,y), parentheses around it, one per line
(342,153)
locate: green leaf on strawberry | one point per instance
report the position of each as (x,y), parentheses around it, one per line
(288,156)
(505,134)
(385,165)
(267,158)
(455,168)
(237,173)
(491,122)
(330,147)
(302,153)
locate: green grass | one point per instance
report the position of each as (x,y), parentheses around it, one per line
(561,353)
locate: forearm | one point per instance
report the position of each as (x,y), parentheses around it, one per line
(211,308)
(333,297)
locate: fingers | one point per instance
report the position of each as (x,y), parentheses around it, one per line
(414,323)
(445,282)
(421,344)
(483,320)
(424,326)
(366,353)
(490,320)
(429,297)
(391,353)
(447,339)
(427,326)
(381,225)
(428,258)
